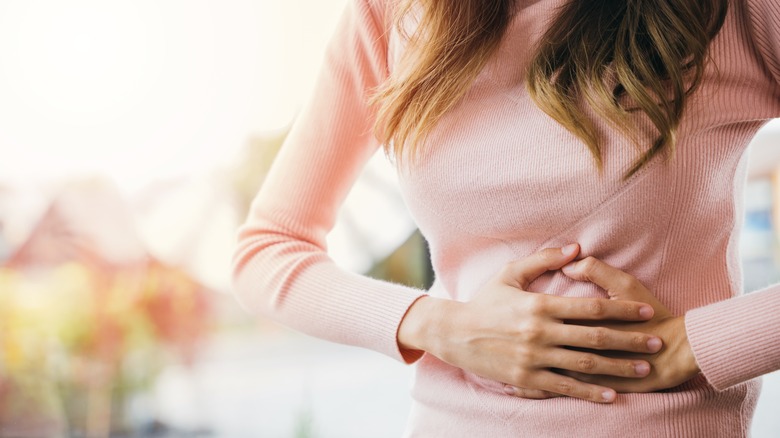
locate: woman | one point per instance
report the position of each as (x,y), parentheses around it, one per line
(577,168)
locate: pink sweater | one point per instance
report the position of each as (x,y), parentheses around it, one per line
(500,180)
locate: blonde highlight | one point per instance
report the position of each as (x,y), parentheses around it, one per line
(594,53)
(451,44)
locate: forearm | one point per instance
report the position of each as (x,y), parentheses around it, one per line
(295,283)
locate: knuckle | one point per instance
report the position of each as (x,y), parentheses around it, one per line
(586,363)
(537,305)
(533,333)
(519,376)
(547,255)
(627,282)
(587,265)
(564,387)
(596,308)
(598,338)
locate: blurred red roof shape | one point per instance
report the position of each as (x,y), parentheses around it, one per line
(87,221)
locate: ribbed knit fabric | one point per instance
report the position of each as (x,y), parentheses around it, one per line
(499,180)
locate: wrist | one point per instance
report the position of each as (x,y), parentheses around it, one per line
(422,324)
(690,358)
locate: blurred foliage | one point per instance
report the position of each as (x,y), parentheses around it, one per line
(76,341)
(409,264)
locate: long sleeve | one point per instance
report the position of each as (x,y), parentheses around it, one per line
(739,339)
(764,21)
(281,266)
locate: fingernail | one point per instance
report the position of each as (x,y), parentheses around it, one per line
(642,369)
(569,249)
(569,268)
(654,344)
(608,395)
(646,312)
(509,390)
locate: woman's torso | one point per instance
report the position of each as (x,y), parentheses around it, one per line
(500,179)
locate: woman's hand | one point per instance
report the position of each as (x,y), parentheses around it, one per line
(518,337)
(673,364)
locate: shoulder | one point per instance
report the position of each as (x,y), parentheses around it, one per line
(766,6)
(380,18)
(762,21)
(381,12)
(762,15)
(375,16)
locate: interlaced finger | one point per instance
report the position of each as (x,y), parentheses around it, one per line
(601,338)
(523,271)
(591,309)
(589,363)
(559,384)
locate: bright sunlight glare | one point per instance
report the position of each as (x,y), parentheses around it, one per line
(142,89)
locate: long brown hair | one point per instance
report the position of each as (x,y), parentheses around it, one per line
(653,52)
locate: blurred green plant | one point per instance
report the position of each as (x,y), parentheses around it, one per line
(77,340)
(304,423)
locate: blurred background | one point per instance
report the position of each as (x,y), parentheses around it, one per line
(134,136)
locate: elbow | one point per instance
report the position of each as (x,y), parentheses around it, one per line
(251,269)
(265,264)
(241,285)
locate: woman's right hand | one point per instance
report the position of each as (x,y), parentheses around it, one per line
(517,337)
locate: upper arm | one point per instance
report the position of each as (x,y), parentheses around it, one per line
(332,138)
(280,265)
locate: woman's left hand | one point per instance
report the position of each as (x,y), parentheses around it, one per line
(673,364)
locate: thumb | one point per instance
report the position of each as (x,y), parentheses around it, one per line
(523,271)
